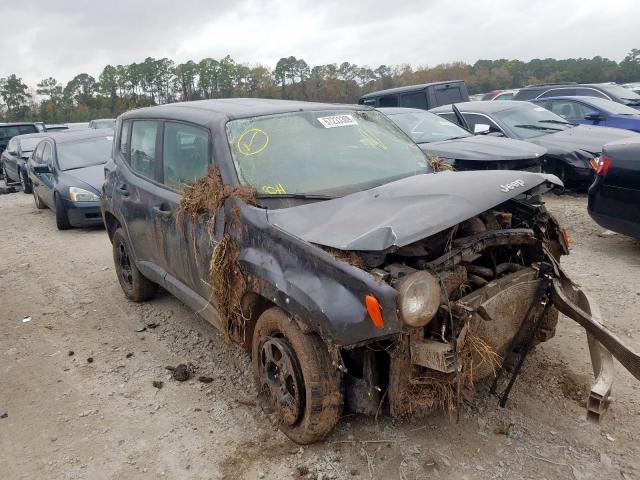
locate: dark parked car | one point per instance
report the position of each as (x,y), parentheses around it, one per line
(572,151)
(67,172)
(425,96)
(100,123)
(593,111)
(456,146)
(10,130)
(614,197)
(14,159)
(318,241)
(609,91)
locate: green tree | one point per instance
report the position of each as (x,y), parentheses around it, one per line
(14,93)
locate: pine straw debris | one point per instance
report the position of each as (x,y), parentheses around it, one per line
(206,196)
(438,391)
(438,164)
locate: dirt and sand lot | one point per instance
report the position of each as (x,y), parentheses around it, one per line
(69,417)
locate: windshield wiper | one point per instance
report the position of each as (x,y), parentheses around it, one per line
(81,166)
(312,196)
(559,122)
(538,127)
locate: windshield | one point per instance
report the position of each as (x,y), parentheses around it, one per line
(425,127)
(28,145)
(92,151)
(12,131)
(529,121)
(629,96)
(613,107)
(323,152)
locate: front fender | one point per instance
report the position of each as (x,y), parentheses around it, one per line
(326,293)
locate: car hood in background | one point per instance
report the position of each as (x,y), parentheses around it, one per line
(404,211)
(587,138)
(92,176)
(483,148)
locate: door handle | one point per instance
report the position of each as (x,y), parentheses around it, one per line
(161,212)
(122,189)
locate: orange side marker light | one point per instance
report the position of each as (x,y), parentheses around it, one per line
(375,310)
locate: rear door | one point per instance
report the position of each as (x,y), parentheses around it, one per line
(137,191)
(184,241)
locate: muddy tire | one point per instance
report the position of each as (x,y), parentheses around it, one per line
(62,217)
(135,286)
(24,182)
(294,378)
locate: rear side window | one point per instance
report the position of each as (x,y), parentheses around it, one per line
(590,92)
(142,157)
(185,154)
(388,101)
(445,96)
(415,100)
(559,92)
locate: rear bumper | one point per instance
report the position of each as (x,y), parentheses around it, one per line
(615,224)
(84,214)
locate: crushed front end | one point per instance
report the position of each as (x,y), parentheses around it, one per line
(474,299)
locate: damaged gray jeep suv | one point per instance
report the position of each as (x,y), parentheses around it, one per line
(319,237)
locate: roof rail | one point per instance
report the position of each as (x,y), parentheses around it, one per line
(551,84)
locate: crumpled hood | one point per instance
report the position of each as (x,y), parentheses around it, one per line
(404,211)
(587,138)
(92,176)
(483,148)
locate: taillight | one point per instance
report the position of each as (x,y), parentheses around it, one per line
(604,165)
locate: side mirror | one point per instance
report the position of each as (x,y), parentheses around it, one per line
(12,152)
(481,128)
(41,168)
(594,117)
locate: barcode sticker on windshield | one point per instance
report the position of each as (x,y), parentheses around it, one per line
(337,121)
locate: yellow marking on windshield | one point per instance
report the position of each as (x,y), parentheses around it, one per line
(252,141)
(372,139)
(277,189)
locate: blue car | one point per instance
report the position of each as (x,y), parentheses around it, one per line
(67,173)
(593,111)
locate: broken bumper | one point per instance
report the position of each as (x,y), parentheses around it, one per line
(563,294)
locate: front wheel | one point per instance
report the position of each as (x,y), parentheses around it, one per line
(62,216)
(135,286)
(295,378)
(24,182)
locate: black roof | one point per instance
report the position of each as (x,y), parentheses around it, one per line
(482,107)
(207,111)
(408,88)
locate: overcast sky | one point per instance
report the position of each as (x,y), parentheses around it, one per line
(62,38)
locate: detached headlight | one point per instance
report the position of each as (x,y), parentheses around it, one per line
(419,298)
(81,195)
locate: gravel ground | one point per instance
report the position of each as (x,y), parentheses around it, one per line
(76,382)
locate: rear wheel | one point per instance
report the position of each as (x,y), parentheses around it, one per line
(295,378)
(135,286)
(24,182)
(62,216)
